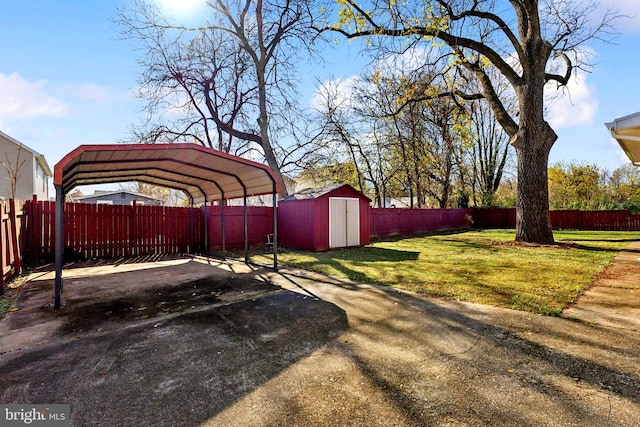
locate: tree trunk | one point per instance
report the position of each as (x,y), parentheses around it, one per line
(533,221)
(270,155)
(533,142)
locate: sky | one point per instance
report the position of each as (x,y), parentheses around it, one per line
(68,78)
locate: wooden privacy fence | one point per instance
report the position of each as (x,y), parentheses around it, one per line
(116,231)
(98,231)
(259,225)
(397,222)
(619,220)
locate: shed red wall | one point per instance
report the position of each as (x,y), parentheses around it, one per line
(296,224)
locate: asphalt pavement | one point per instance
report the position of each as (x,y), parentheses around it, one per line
(191,342)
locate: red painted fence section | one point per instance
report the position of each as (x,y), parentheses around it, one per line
(620,220)
(397,222)
(117,231)
(105,231)
(259,224)
(494,218)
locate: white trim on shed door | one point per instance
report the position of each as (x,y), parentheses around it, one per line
(344,222)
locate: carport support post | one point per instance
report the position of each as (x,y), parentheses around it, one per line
(59,250)
(206,227)
(275,228)
(191,231)
(222,203)
(246,227)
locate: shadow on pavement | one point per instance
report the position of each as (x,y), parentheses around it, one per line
(435,362)
(141,351)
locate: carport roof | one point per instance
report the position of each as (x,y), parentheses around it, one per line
(626,130)
(203,173)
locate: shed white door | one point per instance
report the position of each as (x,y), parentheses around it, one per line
(344,222)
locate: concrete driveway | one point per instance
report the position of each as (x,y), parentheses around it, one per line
(189,342)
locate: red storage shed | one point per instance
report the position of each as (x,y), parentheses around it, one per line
(317,219)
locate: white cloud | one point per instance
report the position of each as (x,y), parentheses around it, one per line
(630,9)
(182,8)
(95,93)
(411,59)
(23,99)
(575,105)
(335,92)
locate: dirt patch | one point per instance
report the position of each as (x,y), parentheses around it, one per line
(560,245)
(621,270)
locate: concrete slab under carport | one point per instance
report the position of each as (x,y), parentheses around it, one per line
(170,342)
(295,348)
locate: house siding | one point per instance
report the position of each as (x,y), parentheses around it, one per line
(40,181)
(32,179)
(12,158)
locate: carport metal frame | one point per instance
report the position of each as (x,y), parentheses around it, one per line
(203,174)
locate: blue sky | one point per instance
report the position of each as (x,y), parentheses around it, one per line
(66,78)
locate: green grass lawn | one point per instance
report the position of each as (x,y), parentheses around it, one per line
(485,267)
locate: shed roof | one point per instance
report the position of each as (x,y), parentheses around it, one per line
(626,130)
(203,173)
(316,192)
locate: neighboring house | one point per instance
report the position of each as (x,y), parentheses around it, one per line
(28,167)
(118,197)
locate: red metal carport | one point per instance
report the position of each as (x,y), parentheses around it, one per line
(203,174)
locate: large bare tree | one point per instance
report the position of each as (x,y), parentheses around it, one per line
(228,84)
(530,42)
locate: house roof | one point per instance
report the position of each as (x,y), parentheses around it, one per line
(626,130)
(203,173)
(111,193)
(314,193)
(39,157)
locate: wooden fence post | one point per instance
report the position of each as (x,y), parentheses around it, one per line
(2,246)
(15,247)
